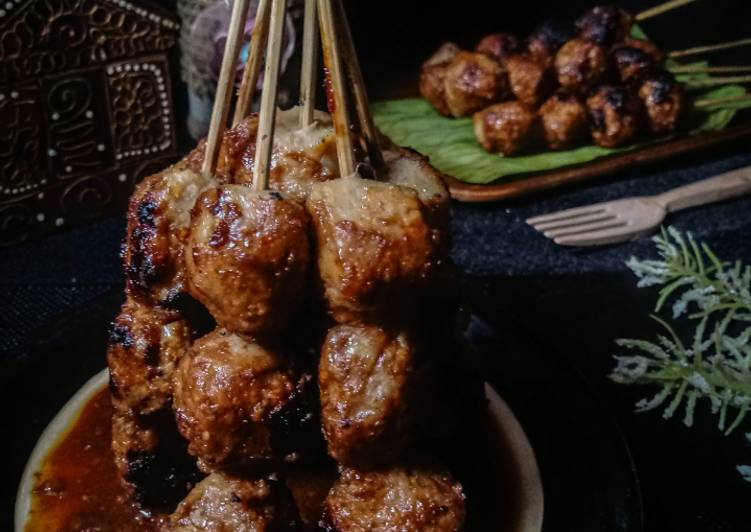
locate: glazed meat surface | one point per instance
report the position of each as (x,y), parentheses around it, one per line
(605,25)
(417,498)
(646,47)
(663,100)
(158,220)
(546,40)
(247,257)
(433,77)
(473,81)
(364,379)
(376,249)
(615,115)
(564,120)
(498,46)
(507,128)
(225,503)
(581,64)
(145,345)
(229,393)
(531,81)
(633,64)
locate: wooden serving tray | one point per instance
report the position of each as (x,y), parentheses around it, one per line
(526,184)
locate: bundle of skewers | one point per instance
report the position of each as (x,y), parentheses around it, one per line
(560,86)
(231,257)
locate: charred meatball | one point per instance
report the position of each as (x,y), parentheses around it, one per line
(229,395)
(226,503)
(145,345)
(507,128)
(158,220)
(247,257)
(419,497)
(364,379)
(531,81)
(615,115)
(545,41)
(580,65)
(646,47)
(474,81)
(499,46)
(605,25)
(377,250)
(433,77)
(663,101)
(633,64)
(564,120)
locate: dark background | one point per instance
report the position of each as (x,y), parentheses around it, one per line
(561,305)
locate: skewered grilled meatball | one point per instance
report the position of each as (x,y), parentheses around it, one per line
(404,498)
(615,115)
(229,394)
(605,25)
(433,77)
(158,219)
(498,46)
(662,97)
(633,64)
(151,457)
(247,257)
(364,379)
(474,81)
(647,47)
(564,120)
(581,64)
(531,81)
(226,503)
(377,250)
(145,345)
(546,40)
(508,127)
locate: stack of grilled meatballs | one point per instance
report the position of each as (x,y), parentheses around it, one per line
(263,331)
(559,87)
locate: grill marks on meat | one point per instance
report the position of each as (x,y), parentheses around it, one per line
(508,127)
(663,101)
(615,115)
(225,503)
(247,257)
(546,40)
(499,46)
(633,64)
(581,64)
(605,24)
(416,497)
(531,80)
(365,376)
(564,120)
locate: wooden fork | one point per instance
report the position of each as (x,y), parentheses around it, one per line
(616,221)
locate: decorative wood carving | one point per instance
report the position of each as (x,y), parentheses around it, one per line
(85,109)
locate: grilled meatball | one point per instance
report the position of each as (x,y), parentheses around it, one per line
(151,457)
(499,46)
(247,257)
(647,47)
(615,115)
(633,64)
(364,379)
(580,65)
(507,128)
(416,497)
(474,81)
(229,394)
(377,251)
(433,77)
(663,100)
(605,25)
(531,81)
(564,120)
(158,219)
(545,41)
(226,503)
(145,345)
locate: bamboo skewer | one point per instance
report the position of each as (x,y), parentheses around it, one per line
(660,9)
(267,118)
(708,82)
(332,61)
(224,86)
(253,63)
(309,64)
(688,69)
(711,102)
(710,48)
(362,104)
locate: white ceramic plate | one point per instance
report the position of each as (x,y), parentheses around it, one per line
(508,430)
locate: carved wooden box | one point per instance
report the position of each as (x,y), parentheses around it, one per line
(85,109)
